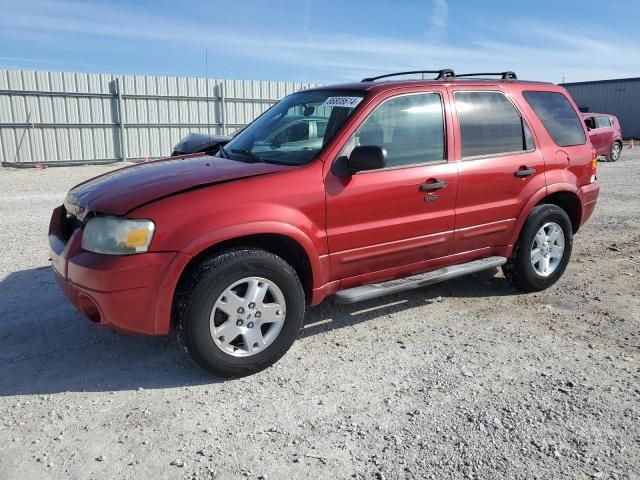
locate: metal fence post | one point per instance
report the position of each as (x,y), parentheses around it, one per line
(223,110)
(121,122)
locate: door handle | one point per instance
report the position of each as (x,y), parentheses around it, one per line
(437,185)
(525,171)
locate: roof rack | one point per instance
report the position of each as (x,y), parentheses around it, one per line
(508,75)
(444,74)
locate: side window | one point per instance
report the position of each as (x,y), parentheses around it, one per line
(302,123)
(558,117)
(603,122)
(301,130)
(320,128)
(590,123)
(490,125)
(410,127)
(295,133)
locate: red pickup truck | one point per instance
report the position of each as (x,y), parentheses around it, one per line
(352,191)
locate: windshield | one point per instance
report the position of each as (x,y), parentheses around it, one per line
(294,130)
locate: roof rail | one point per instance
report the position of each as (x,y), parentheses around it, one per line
(444,74)
(508,75)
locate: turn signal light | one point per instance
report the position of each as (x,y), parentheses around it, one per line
(594,165)
(137,238)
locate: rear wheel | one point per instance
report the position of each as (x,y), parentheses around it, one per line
(543,249)
(241,312)
(615,152)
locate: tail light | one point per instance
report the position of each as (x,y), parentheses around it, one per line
(594,165)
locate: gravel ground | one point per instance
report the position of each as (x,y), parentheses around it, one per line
(467,379)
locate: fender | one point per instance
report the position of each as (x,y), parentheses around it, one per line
(217,236)
(562,187)
(572,188)
(534,200)
(174,270)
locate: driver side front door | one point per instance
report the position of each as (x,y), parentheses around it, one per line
(393,221)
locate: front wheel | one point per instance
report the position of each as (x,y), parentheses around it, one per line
(543,249)
(615,152)
(241,311)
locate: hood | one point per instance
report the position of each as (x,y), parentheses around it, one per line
(121,191)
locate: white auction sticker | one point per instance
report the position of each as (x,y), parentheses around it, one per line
(350,102)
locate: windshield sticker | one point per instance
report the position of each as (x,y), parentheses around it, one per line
(349,102)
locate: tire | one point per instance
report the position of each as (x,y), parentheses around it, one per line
(204,297)
(615,152)
(520,269)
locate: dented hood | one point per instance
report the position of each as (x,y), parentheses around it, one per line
(121,191)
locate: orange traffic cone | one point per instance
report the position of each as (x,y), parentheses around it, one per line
(631,144)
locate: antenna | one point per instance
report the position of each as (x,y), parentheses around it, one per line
(206,82)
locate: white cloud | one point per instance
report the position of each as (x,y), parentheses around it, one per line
(438,19)
(535,50)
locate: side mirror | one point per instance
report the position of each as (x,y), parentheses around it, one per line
(364,157)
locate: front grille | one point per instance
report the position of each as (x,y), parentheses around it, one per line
(69,224)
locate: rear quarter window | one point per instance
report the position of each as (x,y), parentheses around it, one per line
(558,117)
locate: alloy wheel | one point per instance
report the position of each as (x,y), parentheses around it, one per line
(615,151)
(547,249)
(247,316)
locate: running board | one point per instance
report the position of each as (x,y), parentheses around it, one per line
(374,290)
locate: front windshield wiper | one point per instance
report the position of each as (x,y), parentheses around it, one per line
(248,153)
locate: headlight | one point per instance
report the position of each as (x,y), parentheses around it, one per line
(117,236)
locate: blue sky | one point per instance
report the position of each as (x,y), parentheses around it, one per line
(323,40)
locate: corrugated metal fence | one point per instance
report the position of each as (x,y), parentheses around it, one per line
(620,97)
(89,118)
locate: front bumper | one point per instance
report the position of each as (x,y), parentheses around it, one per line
(131,293)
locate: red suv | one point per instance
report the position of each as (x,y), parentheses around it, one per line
(605,134)
(393,185)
